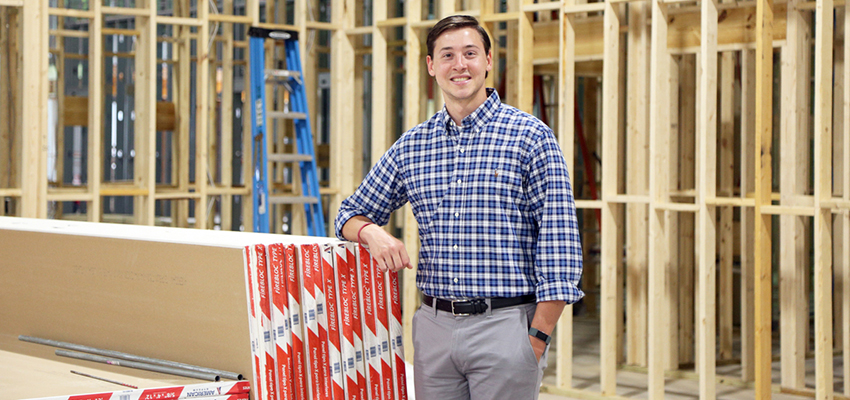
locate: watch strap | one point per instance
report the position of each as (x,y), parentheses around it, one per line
(540,335)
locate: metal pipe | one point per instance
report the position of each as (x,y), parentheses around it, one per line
(131,357)
(104,379)
(139,365)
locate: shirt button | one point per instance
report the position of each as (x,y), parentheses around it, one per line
(454,247)
(456,280)
(457,215)
(461,149)
(458,181)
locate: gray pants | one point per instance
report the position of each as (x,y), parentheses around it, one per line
(480,357)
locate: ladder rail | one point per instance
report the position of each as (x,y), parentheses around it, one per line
(293,80)
(260,171)
(305,143)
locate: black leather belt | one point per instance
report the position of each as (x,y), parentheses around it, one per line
(477,306)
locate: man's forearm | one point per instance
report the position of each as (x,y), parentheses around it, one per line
(547,314)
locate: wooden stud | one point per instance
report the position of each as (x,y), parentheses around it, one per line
(511,72)
(380,83)
(413,75)
(525,59)
(5,110)
(566,140)
(214,143)
(706,189)
(659,127)
(252,9)
(145,106)
(181,95)
(726,175)
(748,91)
(34,112)
(687,174)
(343,178)
(794,167)
(838,175)
(487,8)
(95,114)
(637,174)
(671,218)
(824,16)
(763,178)
(226,178)
(56,134)
(846,217)
(203,106)
(8,112)
(621,188)
(610,262)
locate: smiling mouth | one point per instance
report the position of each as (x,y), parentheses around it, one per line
(461,79)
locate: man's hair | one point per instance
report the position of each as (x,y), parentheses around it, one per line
(456,22)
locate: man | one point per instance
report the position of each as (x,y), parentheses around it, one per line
(500,253)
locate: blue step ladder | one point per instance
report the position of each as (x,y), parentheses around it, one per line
(292,79)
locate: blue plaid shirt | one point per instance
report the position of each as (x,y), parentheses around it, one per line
(493,202)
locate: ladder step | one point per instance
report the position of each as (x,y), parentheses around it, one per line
(278,74)
(287,115)
(287,157)
(284,199)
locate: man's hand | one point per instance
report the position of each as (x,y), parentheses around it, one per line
(389,253)
(538,345)
(545,318)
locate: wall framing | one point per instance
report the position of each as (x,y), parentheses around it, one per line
(667,214)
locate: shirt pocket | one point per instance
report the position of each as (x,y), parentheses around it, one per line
(502,181)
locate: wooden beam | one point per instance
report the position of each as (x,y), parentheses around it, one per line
(343,177)
(845,321)
(34,110)
(95,114)
(637,175)
(610,257)
(838,175)
(794,166)
(687,163)
(748,151)
(763,179)
(659,131)
(671,219)
(412,78)
(145,93)
(8,111)
(707,215)
(182,87)
(566,140)
(227,152)
(824,16)
(726,174)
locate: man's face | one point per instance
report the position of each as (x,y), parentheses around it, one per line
(460,65)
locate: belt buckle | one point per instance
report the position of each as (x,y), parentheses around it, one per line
(453,309)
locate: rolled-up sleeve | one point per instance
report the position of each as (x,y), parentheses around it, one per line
(380,193)
(558,257)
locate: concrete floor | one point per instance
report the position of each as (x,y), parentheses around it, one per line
(633,385)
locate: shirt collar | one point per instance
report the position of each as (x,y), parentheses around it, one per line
(480,116)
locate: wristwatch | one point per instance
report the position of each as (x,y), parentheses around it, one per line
(540,335)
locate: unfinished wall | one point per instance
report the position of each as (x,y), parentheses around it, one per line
(714,169)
